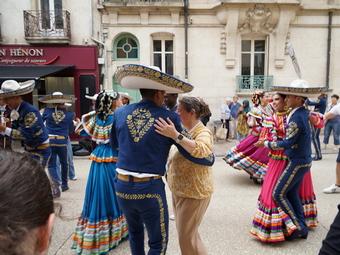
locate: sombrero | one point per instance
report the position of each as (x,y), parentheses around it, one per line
(133,76)
(299,88)
(56,98)
(11,88)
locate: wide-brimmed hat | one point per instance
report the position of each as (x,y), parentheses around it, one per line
(11,88)
(299,87)
(133,76)
(56,98)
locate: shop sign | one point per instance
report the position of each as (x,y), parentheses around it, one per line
(15,56)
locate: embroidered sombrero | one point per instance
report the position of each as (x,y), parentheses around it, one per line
(56,98)
(11,88)
(299,88)
(133,76)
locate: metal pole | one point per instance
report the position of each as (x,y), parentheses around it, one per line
(186,14)
(329,44)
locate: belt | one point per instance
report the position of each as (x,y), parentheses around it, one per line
(129,178)
(39,147)
(57,137)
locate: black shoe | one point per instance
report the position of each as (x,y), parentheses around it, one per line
(317,158)
(64,188)
(297,234)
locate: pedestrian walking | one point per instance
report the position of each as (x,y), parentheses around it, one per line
(27,123)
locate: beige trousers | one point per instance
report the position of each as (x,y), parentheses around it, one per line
(188,216)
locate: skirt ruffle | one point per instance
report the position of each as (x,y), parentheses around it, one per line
(246,156)
(99,237)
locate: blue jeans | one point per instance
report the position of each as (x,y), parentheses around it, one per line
(335,126)
(71,172)
(286,192)
(144,203)
(61,152)
(316,142)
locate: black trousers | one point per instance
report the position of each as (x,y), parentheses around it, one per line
(225,124)
(331,245)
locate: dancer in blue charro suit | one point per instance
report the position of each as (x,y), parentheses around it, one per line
(297,146)
(27,124)
(143,154)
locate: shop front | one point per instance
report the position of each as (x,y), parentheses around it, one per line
(72,70)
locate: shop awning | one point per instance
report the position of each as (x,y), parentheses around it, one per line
(34,72)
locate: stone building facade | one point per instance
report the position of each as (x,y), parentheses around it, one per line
(233,46)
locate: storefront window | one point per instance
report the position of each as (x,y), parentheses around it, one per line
(126,47)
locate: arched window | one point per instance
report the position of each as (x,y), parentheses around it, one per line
(126,47)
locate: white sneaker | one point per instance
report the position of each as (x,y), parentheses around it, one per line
(172,217)
(74,178)
(332,189)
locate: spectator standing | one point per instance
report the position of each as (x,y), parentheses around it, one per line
(319,106)
(334,188)
(332,124)
(225,116)
(234,110)
(242,128)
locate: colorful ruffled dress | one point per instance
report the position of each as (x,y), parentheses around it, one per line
(246,156)
(270,223)
(101,226)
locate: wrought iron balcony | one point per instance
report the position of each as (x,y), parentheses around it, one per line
(141,2)
(249,83)
(47,26)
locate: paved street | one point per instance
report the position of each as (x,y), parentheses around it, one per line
(225,229)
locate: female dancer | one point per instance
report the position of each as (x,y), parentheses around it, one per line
(246,156)
(101,226)
(270,223)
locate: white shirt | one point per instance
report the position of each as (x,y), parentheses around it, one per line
(225,112)
(335,110)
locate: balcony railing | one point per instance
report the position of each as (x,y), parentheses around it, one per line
(142,2)
(43,26)
(249,83)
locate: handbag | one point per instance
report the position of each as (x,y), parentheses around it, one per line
(221,133)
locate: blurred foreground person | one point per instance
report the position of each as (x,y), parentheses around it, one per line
(26,213)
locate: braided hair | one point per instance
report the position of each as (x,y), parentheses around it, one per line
(257,96)
(104,103)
